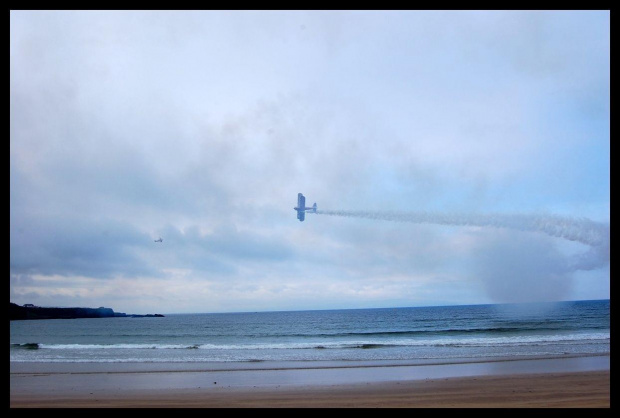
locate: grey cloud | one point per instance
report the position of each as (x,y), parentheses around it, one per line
(521,267)
(75,246)
(223,251)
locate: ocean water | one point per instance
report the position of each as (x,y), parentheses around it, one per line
(419,334)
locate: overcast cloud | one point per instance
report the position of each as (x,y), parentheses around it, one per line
(201,127)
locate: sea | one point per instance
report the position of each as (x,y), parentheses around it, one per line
(412,334)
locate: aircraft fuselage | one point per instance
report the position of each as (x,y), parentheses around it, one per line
(301,207)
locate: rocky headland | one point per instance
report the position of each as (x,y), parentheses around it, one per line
(29,311)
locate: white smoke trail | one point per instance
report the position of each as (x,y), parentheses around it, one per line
(585,231)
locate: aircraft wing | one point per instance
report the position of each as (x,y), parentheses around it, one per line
(301,201)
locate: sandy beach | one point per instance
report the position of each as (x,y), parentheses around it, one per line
(579,382)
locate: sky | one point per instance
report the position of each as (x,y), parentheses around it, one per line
(200,127)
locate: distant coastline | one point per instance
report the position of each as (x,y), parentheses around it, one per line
(29,311)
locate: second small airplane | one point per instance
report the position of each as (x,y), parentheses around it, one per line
(301,207)
(159,240)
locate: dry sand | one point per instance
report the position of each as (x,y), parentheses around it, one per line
(81,388)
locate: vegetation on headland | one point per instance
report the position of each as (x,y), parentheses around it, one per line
(29,311)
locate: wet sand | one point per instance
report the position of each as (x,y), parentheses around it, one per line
(565,382)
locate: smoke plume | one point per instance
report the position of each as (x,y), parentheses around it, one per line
(582,230)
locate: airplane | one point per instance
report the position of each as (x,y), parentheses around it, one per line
(301,207)
(159,240)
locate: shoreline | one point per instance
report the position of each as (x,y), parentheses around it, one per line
(573,381)
(568,362)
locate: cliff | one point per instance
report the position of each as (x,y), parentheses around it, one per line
(27,311)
